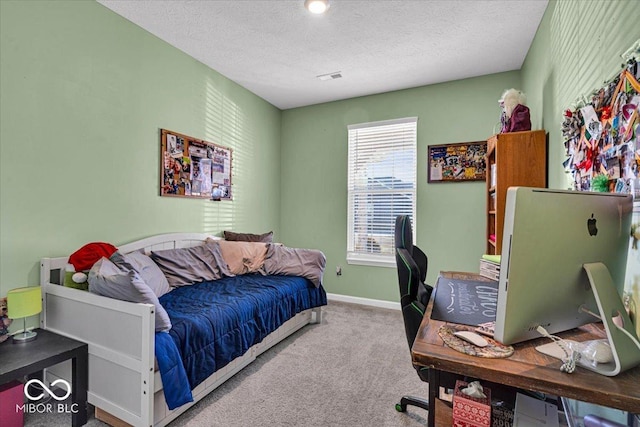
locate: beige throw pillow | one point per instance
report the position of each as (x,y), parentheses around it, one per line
(243,257)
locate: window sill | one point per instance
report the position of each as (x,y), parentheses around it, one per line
(371,261)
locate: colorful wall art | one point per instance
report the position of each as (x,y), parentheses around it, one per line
(602,138)
(190,167)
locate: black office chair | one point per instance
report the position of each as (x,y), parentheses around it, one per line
(414,294)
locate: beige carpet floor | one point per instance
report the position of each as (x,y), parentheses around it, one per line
(350,370)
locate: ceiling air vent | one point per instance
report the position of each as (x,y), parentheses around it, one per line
(330,76)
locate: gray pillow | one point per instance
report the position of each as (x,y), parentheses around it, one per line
(109,280)
(148,270)
(248,237)
(186,266)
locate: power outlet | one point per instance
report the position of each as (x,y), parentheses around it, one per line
(338,271)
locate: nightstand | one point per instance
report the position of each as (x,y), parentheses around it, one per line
(20,360)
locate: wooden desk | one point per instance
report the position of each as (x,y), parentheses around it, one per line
(20,360)
(526,368)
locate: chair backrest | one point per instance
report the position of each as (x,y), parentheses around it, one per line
(411,264)
(404,233)
(404,240)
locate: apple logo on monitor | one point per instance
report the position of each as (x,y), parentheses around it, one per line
(591,226)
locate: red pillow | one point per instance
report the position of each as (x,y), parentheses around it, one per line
(89,254)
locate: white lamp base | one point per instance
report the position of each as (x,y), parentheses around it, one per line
(24,337)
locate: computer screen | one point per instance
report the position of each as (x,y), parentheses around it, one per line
(548,236)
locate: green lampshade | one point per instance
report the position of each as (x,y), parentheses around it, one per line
(24,302)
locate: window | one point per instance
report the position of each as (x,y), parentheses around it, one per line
(381,185)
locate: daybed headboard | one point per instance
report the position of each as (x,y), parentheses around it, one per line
(50,267)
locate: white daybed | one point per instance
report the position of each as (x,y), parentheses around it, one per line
(122,380)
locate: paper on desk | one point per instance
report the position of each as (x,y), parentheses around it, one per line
(532,412)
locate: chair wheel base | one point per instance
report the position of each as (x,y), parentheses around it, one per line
(413,401)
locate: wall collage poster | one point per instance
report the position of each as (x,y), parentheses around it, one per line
(602,142)
(602,138)
(457,162)
(194,168)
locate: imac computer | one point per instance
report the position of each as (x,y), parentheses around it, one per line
(564,255)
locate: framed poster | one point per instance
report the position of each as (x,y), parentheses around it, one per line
(457,162)
(190,167)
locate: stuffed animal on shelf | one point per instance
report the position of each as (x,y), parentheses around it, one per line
(4,320)
(515,115)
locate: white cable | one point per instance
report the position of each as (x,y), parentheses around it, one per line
(570,360)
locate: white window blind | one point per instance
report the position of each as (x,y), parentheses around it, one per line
(381,185)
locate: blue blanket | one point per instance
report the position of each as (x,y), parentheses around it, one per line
(215,322)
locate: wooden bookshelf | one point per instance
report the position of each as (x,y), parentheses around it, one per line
(513,159)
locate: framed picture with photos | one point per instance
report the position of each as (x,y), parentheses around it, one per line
(459,162)
(190,167)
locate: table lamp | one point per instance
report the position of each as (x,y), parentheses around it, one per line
(24,302)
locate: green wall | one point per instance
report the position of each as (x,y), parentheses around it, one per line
(450,217)
(84,94)
(577,48)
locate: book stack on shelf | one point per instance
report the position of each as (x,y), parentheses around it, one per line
(490,267)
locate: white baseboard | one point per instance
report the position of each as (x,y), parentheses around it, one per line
(364,301)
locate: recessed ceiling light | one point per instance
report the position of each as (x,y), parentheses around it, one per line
(317,6)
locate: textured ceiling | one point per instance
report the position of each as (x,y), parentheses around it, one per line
(276,48)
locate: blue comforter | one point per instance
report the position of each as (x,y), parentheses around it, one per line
(215,322)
